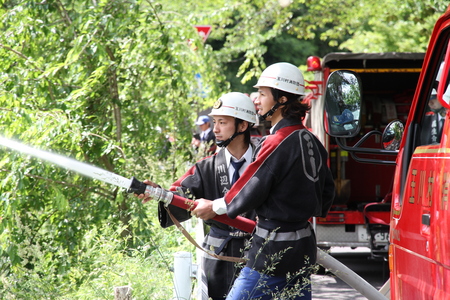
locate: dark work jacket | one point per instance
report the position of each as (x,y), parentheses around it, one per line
(209,179)
(210,137)
(432,126)
(287,183)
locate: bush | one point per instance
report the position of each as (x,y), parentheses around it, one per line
(103,262)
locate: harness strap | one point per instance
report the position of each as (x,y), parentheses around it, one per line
(193,242)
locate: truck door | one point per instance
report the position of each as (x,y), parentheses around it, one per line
(420,225)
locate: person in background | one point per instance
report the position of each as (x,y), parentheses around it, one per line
(233,114)
(205,140)
(433,121)
(287,183)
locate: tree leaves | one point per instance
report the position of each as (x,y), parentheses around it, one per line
(106,83)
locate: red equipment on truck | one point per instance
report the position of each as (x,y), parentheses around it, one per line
(419,250)
(360,213)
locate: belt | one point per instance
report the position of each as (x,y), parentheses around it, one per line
(226,235)
(281,225)
(273,235)
(218,232)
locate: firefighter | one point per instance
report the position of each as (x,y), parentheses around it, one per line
(287,184)
(433,121)
(233,114)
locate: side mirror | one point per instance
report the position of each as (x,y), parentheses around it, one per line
(342,104)
(392,135)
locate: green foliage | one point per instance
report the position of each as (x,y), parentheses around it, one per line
(103,263)
(108,84)
(367,26)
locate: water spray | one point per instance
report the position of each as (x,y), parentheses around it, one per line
(131,185)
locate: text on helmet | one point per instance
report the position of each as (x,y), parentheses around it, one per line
(247,111)
(290,81)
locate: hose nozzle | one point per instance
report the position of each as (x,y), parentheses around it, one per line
(158,194)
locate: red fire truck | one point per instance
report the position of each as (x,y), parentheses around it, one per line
(360,213)
(419,250)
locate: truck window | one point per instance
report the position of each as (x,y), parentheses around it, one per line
(433,119)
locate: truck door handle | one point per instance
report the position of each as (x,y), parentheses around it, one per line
(426,219)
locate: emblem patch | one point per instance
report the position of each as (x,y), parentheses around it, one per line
(217,104)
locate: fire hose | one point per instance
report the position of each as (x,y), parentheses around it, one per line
(167,198)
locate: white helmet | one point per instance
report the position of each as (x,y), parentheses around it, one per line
(283,76)
(235,105)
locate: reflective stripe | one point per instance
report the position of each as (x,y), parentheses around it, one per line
(213,241)
(283,236)
(218,238)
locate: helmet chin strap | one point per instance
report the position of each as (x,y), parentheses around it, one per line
(270,112)
(225,143)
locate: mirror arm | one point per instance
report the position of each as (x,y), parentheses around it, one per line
(366,137)
(372,161)
(357,149)
(365,150)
